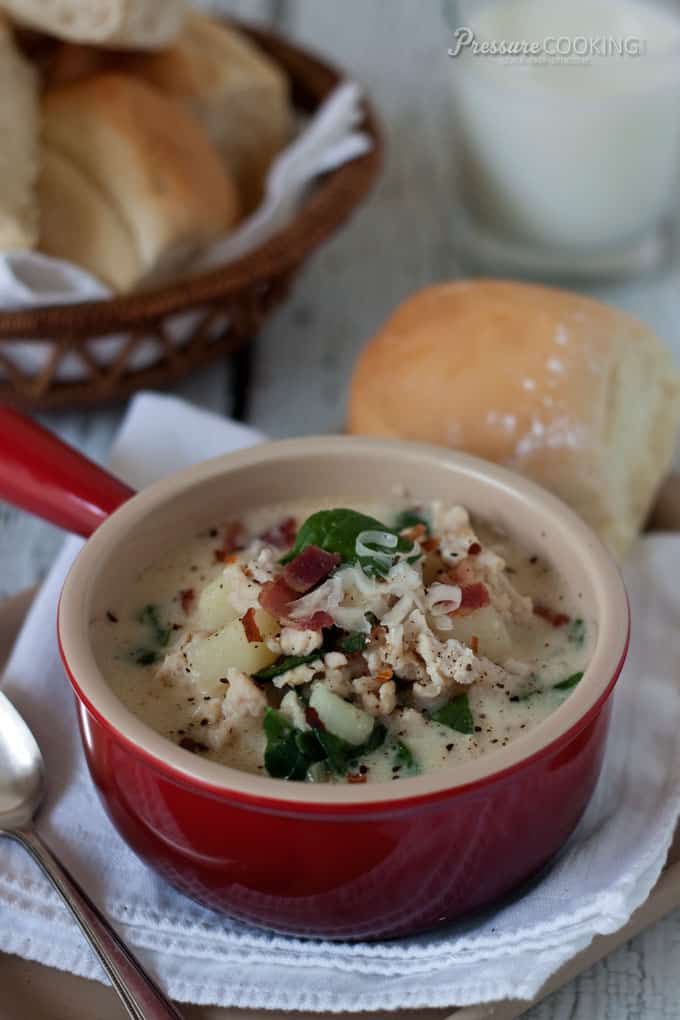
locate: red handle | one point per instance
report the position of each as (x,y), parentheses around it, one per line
(41,474)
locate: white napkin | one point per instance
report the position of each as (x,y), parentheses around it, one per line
(609,867)
(31,280)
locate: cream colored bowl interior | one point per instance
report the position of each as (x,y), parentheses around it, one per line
(346,470)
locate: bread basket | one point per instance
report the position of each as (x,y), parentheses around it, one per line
(221,310)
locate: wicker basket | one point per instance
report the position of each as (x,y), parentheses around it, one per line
(225,307)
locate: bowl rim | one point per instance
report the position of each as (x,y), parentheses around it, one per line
(221,781)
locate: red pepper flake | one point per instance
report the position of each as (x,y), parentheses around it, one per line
(551,616)
(235,539)
(355,777)
(474,549)
(281,535)
(312,719)
(250,626)
(415,533)
(474,644)
(186,597)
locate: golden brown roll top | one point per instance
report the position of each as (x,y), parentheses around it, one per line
(579,396)
(19,154)
(131,187)
(130,23)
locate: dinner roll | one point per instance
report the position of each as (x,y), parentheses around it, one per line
(130,23)
(19,129)
(235,90)
(131,187)
(580,397)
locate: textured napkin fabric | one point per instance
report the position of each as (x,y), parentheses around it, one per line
(609,868)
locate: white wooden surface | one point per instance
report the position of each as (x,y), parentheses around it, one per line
(398,242)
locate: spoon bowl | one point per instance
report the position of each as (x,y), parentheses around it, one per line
(21,770)
(22,782)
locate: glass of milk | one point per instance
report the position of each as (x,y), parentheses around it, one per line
(567,133)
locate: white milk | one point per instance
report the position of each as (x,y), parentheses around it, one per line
(557,154)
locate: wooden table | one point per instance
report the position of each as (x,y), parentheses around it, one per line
(294,380)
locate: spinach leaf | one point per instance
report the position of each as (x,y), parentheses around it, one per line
(143,656)
(149,617)
(376,740)
(290,752)
(283,759)
(285,663)
(405,756)
(308,745)
(409,519)
(337,531)
(569,683)
(340,755)
(456,715)
(576,633)
(353,643)
(337,752)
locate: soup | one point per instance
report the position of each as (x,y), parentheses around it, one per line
(345,645)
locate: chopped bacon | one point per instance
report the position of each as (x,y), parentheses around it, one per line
(235,538)
(281,535)
(317,621)
(551,616)
(253,632)
(278,599)
(474,549)
(355,777)
(472,597)
(312,719)
(276,596)
(186,597)
(474,644)
(309,568)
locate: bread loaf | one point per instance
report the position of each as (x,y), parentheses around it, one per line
(19,147)
(143,24)
(578,396)
(131,186)
(239,95)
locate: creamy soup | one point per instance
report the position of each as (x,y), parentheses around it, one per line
(345,645)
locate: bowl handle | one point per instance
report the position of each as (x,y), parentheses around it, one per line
(41,474)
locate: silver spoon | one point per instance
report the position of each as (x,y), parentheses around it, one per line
(21,791)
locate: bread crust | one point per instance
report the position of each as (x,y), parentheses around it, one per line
(146,24)
(19,155)
(238,93)
(577,395)
(149,161)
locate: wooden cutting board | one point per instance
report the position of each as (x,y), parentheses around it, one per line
(30,990)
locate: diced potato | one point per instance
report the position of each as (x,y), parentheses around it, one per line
(209,658)
(294,711)
(214,608)
(488,627)
(340,718)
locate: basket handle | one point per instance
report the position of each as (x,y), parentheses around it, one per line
(41,474)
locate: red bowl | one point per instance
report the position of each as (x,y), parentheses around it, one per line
(356,861)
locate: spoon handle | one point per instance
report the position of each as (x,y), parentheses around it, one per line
(140,996)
